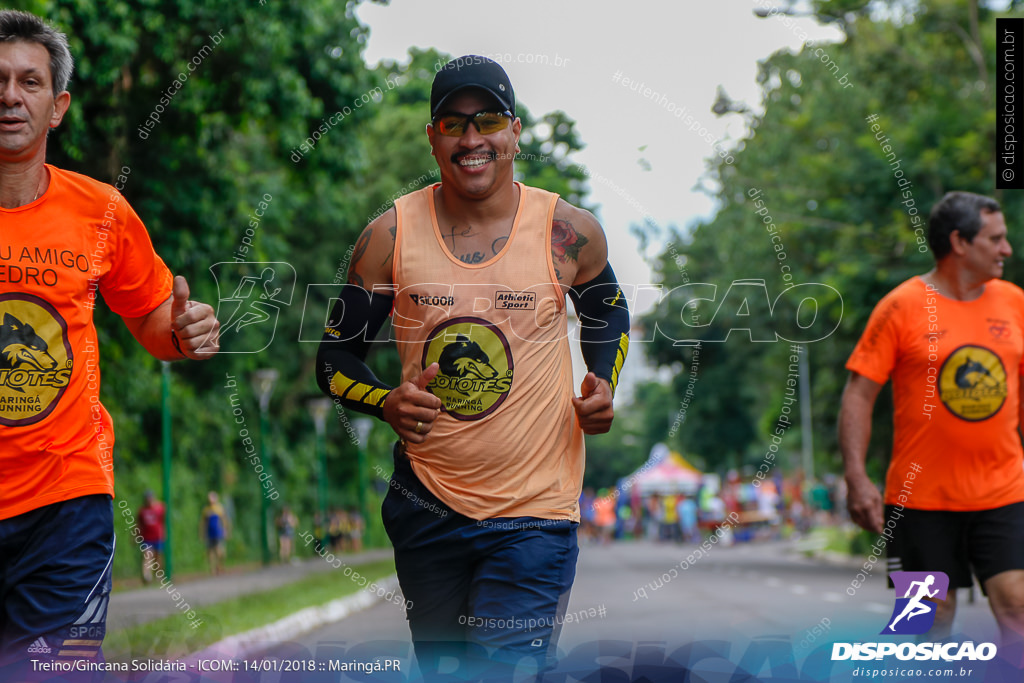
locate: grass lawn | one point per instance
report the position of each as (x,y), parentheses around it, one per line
(174,636)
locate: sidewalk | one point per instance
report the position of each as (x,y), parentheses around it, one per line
(134,607)
(814,546)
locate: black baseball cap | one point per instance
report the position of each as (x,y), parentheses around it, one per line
(471,71)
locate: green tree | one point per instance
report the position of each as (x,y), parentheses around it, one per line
(835,210)
(222,134)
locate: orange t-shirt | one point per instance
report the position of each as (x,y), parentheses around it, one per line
(955,368)
(508,444)
(56,439)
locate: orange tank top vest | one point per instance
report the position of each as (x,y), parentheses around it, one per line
(508,443)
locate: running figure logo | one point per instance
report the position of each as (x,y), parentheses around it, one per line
(258,292)
(913,614)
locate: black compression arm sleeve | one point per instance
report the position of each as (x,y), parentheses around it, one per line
(604,324)
(341,370)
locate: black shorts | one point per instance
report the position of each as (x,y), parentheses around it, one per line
(986,541)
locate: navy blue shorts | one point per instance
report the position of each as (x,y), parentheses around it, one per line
(55,569)
(491,591)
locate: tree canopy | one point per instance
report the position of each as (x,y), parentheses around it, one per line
(855,141)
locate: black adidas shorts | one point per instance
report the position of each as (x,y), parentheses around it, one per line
(986,541)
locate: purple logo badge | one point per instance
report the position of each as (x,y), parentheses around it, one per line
(913,614)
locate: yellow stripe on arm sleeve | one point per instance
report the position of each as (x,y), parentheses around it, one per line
(604,325)
(341,370)
(620,358)
(358,392)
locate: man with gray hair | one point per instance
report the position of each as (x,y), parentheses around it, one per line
(951,340)
(64,238)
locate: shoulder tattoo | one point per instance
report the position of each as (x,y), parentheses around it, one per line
(566,241)
(394,232)
(357,253)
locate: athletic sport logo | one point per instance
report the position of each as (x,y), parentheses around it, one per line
(913,614)
(475,364)
(511,301)
(250,313)
(35,359)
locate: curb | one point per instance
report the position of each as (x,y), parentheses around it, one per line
(830,557)
(249,643)
(838,559)
(135,607)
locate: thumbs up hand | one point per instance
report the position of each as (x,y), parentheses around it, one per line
(179,297)
(410,409)
(194,325)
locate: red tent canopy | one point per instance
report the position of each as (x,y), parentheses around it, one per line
(671,474)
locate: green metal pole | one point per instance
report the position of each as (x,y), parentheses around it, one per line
(322,453)
(264,540)
(363,427)
(165,409)
(361,482)
(806,431)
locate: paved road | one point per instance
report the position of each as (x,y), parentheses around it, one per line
(744,594)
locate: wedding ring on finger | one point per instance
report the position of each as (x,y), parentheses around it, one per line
(419,428)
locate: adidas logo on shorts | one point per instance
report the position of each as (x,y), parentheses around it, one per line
(39,647)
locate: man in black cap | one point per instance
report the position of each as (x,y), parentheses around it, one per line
(483,505)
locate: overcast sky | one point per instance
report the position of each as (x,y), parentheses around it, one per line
(683,50)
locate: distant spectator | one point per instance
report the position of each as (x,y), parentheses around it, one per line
(655,516)
(669,519)
(152,528)
(624,523)
(356,529)
(336,530)
(286,523)
(604,516)
(587,529)
(731,492)
(687,511)
(214,529)
(716,509)
(798,517)
(768,501)
(821,501)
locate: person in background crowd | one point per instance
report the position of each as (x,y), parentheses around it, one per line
(152,528)
(214,529)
